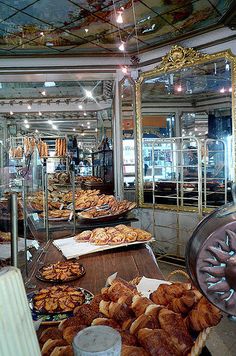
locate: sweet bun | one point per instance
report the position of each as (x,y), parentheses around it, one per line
(52,333)
(62,351)
(50,344)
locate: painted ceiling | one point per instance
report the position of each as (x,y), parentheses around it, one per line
(70,27)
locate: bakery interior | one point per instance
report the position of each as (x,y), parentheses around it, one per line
(117,184)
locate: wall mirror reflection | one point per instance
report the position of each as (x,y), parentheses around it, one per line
(185,122)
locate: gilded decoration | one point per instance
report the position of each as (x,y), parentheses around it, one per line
(178,57)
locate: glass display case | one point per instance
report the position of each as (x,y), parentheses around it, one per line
(102,163)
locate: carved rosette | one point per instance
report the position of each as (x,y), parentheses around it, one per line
(179,57)
(217,275)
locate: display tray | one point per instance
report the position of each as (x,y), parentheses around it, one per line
(54,318)
(72,278)
(70,248)
(103,218)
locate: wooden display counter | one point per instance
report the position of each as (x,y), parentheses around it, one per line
(129,262)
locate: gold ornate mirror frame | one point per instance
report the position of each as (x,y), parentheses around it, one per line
(178,58)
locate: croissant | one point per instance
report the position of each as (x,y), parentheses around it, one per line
(120,312)
(50,344)
(140,304)
(175,326)
(73,321)
(203,315)
(183,304)
(120,287)
(86,313)
(62,351)
(70,332)
(157,342)
(166,292)
(153,311)
(125,299)
(133,350)
(104,308)
(50,333)
(143,321)
(127,324)
(127,338)
(107,322)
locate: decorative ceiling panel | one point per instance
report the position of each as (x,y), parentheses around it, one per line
(42,27)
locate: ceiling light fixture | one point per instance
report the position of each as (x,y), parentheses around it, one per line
(29,107)
(96,130)
(80,107)
(11,112)
(43,92)
(179,88)
(119,18)
(41,34)
(36,131)
(82,134)
(230,89)
(86,30)
(122,46)
(50,122)
(40,114)
(88,123)
(73,129)
(124,69)
(85,114)
(27,126)
(222,90)
(88,94)
(26,121)
(54,127)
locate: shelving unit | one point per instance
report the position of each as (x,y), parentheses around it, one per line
(102,163)
(183,185)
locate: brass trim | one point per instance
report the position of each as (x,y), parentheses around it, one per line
(177,58)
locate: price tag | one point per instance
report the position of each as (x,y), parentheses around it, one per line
(61,207)
(35,216)
(71,215)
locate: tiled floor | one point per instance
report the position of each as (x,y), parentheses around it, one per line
(222,339)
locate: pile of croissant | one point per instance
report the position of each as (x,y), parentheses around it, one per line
(113,235)
(161,325)
(114,207)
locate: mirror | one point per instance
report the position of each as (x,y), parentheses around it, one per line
(184,130)
(127,103)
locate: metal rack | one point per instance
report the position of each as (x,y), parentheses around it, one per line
(181,185)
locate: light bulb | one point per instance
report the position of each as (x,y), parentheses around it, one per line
(96,130)
(179,88)
(124,70)
(50,122)
(82,134)
(80,107)
(85,114)
(29,107)
(230,90)
(36,131)
(26,121)
(121,46)
(27,126)
(119,18)
(11,112)
(88,94)
(41,34)
(40,114)
(43,92)
(88,123)
(86,30)
(54,127)
(74,129)
(222,90)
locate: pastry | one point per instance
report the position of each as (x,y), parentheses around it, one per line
(62,271)
(62,351)
(139,304)
(157,342)
(57,299)
(50,344)
(133,350)
(174,325)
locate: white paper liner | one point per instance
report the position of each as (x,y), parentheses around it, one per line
(70,248)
